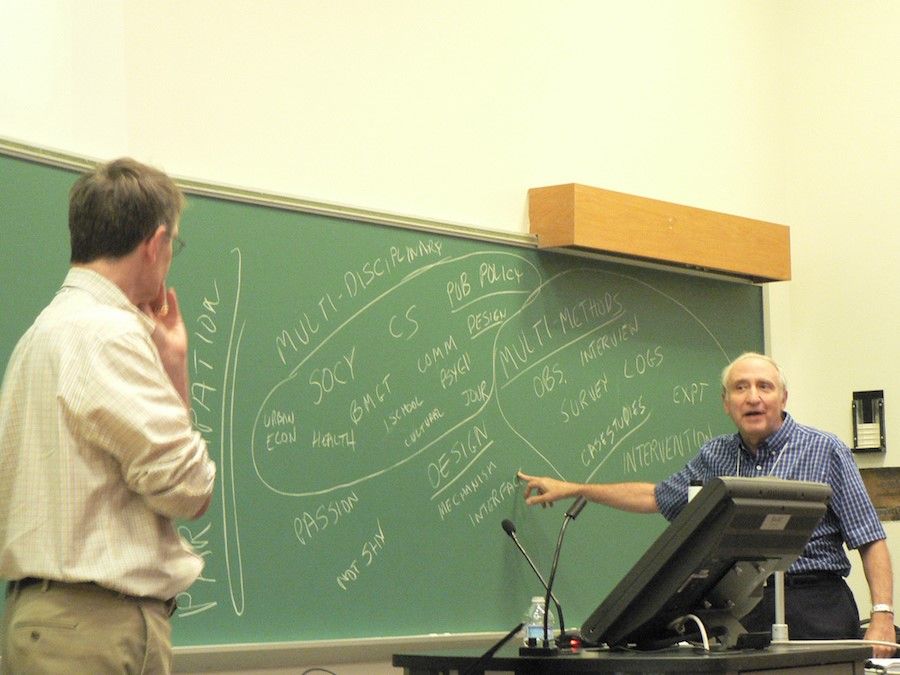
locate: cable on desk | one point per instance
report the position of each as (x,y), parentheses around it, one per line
(678,626)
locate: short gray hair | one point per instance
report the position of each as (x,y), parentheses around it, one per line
(726,372)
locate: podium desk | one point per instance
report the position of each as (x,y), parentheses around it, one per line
(786,659)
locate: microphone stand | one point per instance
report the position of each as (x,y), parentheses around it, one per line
(479,664)
(571,514)
(510,529)
(547,649)
(780,627)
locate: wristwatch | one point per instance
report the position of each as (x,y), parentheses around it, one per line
(887,609)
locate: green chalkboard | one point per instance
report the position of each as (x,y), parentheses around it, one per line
(368,393)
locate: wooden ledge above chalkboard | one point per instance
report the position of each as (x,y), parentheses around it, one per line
(591,219)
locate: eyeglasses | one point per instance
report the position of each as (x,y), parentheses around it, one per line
(177,244)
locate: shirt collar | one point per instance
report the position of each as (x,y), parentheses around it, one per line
(774,443)
(105,292)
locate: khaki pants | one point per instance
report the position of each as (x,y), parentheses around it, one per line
(79,629)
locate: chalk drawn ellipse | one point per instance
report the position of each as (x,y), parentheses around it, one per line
(601,366)
(388,382)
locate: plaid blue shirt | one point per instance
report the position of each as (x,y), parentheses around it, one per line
(794,452)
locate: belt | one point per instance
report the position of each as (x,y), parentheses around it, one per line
(812,578)
(25,582)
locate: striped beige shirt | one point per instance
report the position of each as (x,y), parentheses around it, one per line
(97,451)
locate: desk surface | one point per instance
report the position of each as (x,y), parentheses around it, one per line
(835,659)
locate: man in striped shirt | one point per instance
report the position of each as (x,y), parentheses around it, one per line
(98,456)
(769,442)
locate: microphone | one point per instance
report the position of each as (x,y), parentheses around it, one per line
(510,529)
(576,508)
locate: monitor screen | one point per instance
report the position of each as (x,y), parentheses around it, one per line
(711,562)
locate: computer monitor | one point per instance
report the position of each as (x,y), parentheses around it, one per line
(711,562)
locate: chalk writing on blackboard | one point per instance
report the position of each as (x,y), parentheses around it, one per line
(376,380)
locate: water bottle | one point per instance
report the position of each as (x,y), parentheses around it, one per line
(534,623)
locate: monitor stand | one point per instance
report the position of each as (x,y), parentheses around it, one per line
(780,627)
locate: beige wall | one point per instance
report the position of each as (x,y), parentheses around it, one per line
(785,111)
(839,318)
